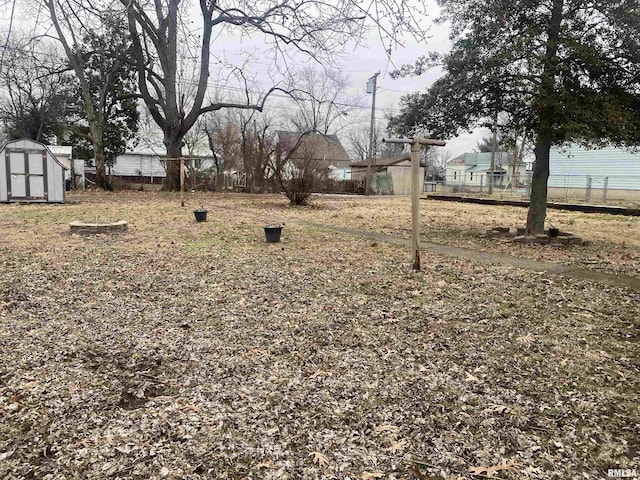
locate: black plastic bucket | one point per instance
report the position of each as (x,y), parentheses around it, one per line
(272,233)
(201,215)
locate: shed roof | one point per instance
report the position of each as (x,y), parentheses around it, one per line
(27,143)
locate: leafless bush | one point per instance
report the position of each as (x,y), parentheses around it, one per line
(298,179)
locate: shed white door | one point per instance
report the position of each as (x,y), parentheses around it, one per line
(18,175)
(36,175)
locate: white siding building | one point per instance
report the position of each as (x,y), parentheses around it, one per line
(472,170)
(133,164)
(150,166)
(571,168)
(595,174)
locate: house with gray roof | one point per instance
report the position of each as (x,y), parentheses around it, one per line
(473,170)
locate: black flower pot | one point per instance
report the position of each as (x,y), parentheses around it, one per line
(554,232)
(201,215)
(272,233)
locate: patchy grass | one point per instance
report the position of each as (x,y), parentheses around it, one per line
(611,243)
(186,350)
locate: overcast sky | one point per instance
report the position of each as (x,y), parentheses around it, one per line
(359,63)
(365,59)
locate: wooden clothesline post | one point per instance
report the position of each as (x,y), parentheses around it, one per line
(182,181)
(416,143)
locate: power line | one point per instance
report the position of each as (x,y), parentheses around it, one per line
(357,117)
(397,91)
(48,57)
(13,9)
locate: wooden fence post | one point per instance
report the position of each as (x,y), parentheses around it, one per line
(182,181)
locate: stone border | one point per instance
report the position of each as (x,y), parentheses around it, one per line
(82,228)
(519,236)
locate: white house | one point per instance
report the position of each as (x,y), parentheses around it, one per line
(472,170)
(64,154)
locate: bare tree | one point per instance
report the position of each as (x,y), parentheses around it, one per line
(196,143)
(223,135)
(195,140)
(321,100)
(313,28)
(37,97)
(359,138)
(244,140)
(258,148)
(435,162)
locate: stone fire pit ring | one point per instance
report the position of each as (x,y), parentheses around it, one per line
(83,228)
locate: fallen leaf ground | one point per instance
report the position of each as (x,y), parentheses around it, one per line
(611,243)
(186,350)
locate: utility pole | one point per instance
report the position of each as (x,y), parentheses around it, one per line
(371,88)
(416,182)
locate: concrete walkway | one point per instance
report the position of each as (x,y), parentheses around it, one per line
(622,281)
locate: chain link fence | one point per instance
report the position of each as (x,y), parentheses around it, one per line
(588,188)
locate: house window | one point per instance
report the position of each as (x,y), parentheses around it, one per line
(471,177)
(455,175)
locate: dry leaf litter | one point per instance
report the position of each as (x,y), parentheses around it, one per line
(192,351)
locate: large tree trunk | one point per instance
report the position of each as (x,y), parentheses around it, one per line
(546,104)
(102,181)
(538,206)
(96,135)
(173,142)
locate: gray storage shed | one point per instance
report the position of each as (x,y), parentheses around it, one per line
(29,172)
